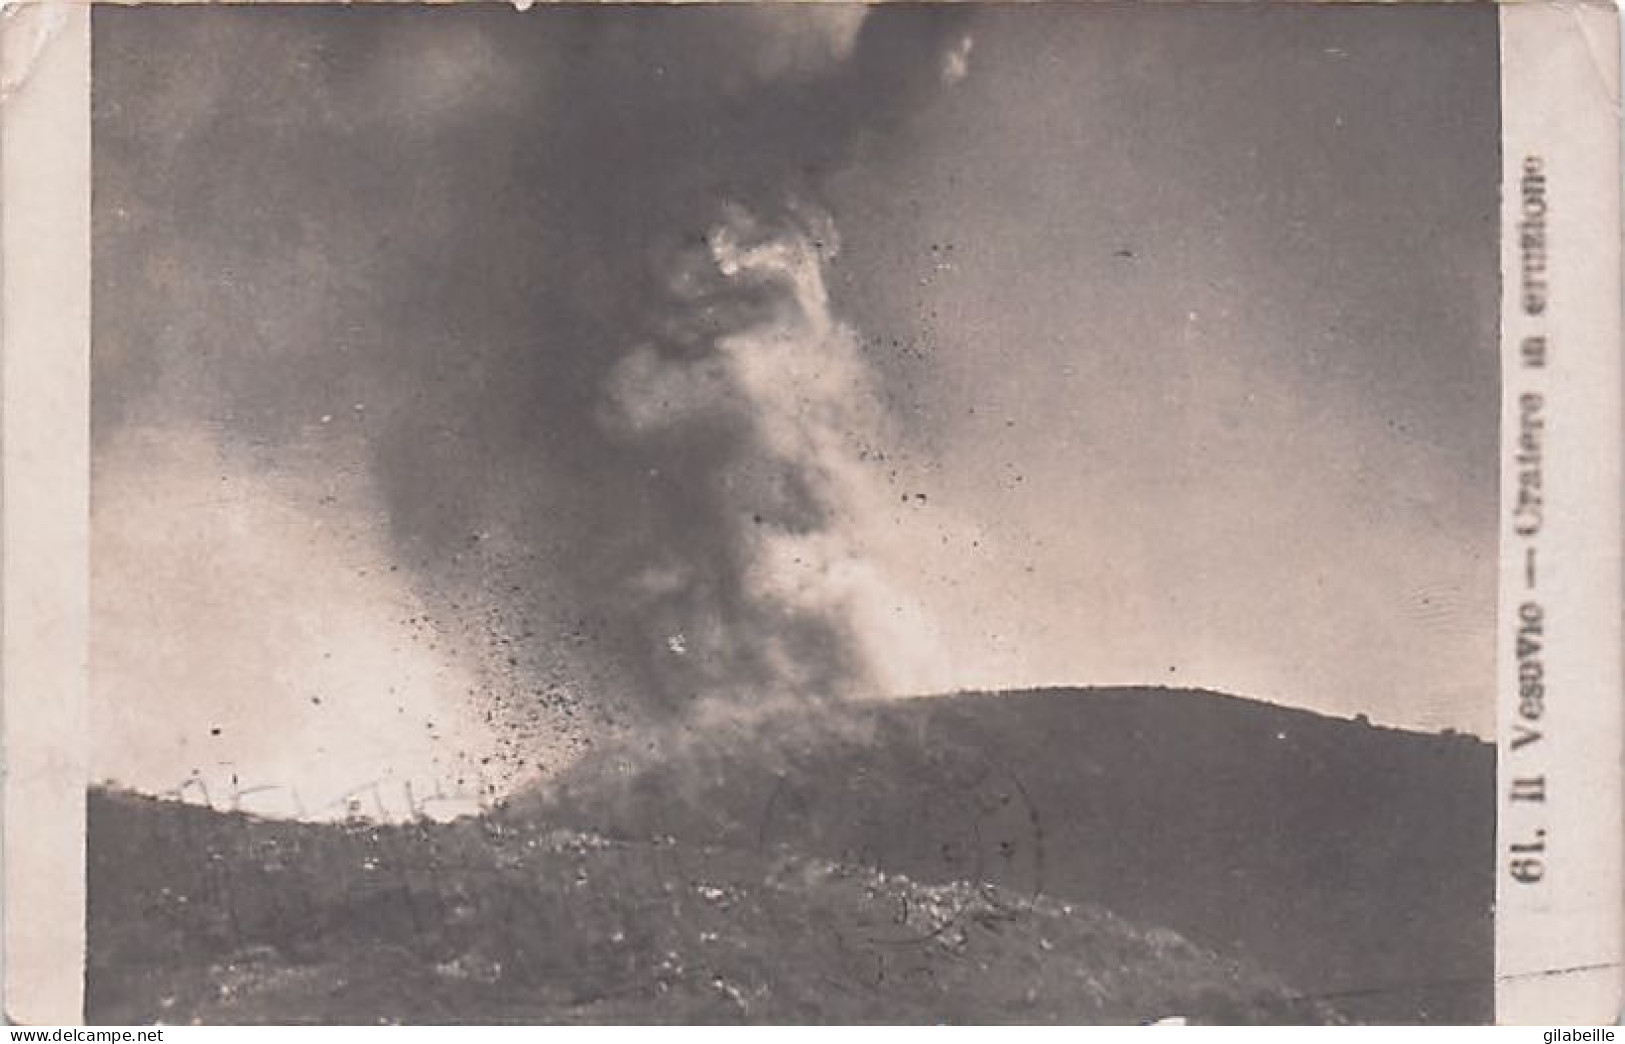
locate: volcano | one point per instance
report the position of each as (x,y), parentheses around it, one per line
(1074,855)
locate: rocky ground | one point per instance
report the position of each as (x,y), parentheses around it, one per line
(219,917)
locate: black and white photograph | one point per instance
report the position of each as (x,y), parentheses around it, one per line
(977,513)
(793,513)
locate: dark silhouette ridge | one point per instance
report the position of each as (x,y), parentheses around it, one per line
(1353,865)
(1356,861)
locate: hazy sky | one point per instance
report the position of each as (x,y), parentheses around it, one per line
(1217,347)
(577,365)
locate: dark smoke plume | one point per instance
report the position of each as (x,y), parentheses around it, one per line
(566,273)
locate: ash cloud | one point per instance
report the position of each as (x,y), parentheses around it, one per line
(562,278)
(796,605)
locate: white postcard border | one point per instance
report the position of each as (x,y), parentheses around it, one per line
(1561,828)
(44,502)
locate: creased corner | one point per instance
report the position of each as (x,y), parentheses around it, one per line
(1604,66)
(26,32)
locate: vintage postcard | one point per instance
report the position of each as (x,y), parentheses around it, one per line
(811,513)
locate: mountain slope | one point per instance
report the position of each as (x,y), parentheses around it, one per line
(201,916)
(1356,861)
(1062,855)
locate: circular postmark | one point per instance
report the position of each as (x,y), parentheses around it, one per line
(896,871)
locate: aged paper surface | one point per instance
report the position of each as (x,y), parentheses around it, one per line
(1560,923)
(44,485)
(742,514)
